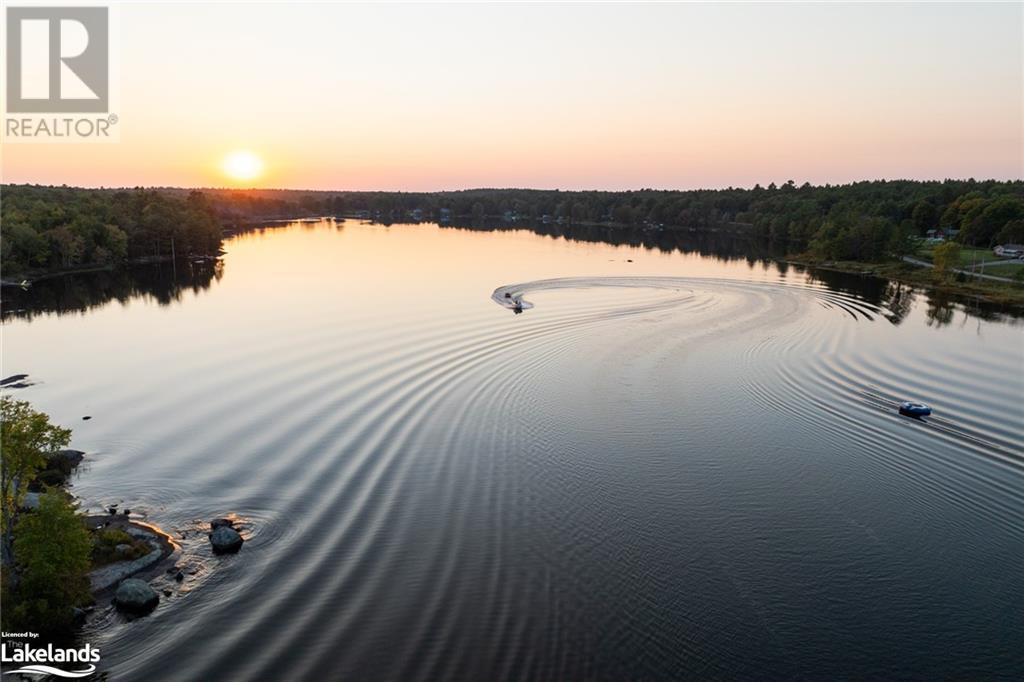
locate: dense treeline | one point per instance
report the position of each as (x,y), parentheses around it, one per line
(867,221)
(48,228)
(860,221)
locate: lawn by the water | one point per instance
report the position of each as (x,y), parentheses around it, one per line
(971,258)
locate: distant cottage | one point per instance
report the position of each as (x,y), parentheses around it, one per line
(1010,250)
(941,234)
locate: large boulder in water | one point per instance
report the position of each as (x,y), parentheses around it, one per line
(60,464)
(135,596)
(226,540)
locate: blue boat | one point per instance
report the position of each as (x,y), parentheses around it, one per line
(915,409)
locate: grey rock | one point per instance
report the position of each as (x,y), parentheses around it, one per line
(123,550)
(136,596)
(64,460)
(226,540)
(217,523)
(106,576)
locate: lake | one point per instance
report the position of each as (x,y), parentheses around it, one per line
(680,462)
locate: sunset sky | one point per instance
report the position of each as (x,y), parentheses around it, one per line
(610,96)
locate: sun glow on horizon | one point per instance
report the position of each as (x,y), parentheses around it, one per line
(242,165)
(817,92)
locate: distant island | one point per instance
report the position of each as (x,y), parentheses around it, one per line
(890,228)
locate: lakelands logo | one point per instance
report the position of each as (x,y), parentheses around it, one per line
(36,661)
(58,62)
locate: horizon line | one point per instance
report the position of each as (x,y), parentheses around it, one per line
(508,189)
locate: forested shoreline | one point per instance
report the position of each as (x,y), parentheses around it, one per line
(859,221)
(64,228)
(61,227)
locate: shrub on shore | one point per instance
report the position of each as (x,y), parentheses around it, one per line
(114,544)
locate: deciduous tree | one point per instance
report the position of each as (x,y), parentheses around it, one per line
(25,437)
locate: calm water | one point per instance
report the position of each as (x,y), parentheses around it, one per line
(682,465)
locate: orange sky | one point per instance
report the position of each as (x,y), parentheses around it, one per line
(571,96)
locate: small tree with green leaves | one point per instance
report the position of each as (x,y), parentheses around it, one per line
(53,548)
(25,437)
(945,257)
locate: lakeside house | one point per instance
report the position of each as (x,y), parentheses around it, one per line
(941,234)
(1009,250)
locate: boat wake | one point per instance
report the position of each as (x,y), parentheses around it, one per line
(511,295)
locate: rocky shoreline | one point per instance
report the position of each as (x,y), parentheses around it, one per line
(163,552)
(135,587)
(152,565)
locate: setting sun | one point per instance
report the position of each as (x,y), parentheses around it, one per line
(242,165)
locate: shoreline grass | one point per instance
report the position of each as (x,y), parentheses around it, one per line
(999,293)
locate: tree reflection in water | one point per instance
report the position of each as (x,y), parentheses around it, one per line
(162,282)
